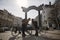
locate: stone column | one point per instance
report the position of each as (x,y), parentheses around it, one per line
(39,18)
(25,15)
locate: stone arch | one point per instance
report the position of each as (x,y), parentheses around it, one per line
(35,8)
(29,8)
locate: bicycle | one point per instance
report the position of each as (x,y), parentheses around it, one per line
(15,31)
(29,33)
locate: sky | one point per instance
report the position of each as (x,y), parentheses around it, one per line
(14,6)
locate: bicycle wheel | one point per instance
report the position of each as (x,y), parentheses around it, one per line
(14,32)
(30,32)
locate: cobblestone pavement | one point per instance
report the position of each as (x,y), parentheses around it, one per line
(7,36)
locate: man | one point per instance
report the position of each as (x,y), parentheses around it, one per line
(34,23)
(24,25)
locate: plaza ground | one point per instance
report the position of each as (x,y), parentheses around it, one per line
(45,35)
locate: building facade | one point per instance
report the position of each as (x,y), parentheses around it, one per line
(17,22)
(9,20)
(6,19)
(47,18)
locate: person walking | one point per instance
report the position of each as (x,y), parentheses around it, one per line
(24,25)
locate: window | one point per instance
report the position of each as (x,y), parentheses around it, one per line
(43,11)
(45,21)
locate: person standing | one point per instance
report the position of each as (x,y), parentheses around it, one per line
(34,23)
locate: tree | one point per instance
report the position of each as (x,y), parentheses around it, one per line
(54,18)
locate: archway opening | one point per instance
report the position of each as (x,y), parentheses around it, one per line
(32,14)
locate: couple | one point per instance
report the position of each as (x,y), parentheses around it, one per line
(24,25)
